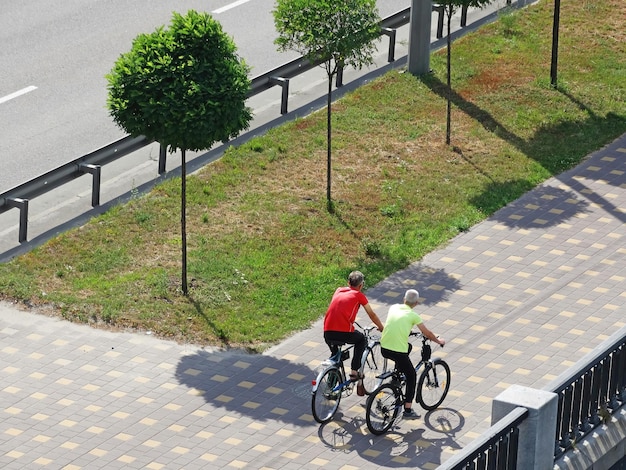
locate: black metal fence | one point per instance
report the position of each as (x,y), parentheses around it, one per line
(589,394)
(496,449)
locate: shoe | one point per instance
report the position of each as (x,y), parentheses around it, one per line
(355,377)
(409,414)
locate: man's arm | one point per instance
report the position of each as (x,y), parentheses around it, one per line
(430,335)
(373,317)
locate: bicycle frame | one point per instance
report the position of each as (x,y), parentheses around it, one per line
(334,362)
(372,341)
(384,404)
(427,361)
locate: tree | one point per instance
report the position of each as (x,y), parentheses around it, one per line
(337,33)
(183,86)
(450,7)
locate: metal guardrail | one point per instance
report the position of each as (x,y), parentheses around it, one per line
(19,196)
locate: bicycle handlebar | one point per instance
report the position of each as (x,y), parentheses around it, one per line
(365,330)
(424,338)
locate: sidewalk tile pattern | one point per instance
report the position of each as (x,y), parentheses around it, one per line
(520,298)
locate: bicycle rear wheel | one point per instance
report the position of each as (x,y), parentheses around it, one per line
(382,408)
(325,400)
(433,385)
(372,366)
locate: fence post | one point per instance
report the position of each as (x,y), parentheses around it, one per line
(22,205)
(96,173)
(284,84)
(537,431)
(391,54)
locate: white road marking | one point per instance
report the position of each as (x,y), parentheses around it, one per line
(21,92)
(229,6)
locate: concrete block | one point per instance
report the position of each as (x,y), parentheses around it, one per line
(536,438)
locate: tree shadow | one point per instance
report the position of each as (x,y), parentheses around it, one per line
(544,207)
(434,285)
(556,147)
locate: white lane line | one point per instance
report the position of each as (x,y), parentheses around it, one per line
(229,6)
(21,92)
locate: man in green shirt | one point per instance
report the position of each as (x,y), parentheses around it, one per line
(395,342)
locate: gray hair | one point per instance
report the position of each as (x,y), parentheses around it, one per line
(411,297)
(355,278)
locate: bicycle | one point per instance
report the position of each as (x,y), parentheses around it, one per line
(331,383)
(373,364)
(384,404)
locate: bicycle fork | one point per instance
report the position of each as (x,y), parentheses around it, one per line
(431,373)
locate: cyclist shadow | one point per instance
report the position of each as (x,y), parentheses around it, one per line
(437,432)
(262,387)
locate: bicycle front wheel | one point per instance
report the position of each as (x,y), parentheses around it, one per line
(433,385)
(325,399)
(382,408)
(373,365)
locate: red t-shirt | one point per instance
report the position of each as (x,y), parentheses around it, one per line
(343,308)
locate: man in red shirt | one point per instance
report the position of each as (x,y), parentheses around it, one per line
(340,317)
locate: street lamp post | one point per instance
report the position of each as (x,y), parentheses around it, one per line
(419,37)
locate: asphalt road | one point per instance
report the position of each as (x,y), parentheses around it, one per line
(55,55)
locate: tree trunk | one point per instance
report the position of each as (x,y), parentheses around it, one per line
(555,43)
(329,202)
(449,11)
(183,220)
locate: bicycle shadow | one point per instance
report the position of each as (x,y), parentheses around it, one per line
(404,445)
(263,387)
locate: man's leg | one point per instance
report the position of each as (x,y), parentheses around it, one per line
(360,343)
(355,337)
(333,336)
(404,365)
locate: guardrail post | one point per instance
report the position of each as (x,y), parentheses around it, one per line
(439,9)
(339,78)
(463,16)
(536,432)
(22,205)
(391,54)
(284,84)
(96,172)
(162,158)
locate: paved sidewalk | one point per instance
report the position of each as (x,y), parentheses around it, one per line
(520,298)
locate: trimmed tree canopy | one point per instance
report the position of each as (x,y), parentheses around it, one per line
(328,29)
(337,33)
(183,86)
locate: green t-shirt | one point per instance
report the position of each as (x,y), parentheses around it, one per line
(400,320)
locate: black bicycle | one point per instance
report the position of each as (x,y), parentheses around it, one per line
(385,403)
(331,382)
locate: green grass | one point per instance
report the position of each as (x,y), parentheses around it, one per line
(264,253)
